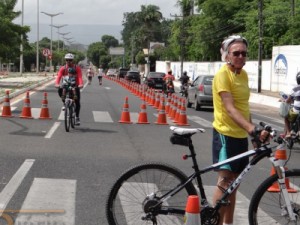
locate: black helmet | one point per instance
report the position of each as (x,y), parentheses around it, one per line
(298,78)
(184,73)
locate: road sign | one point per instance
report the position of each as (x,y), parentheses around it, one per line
(46,52)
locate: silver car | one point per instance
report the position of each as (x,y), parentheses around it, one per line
(200,92)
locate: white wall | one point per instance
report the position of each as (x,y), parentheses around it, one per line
(278,74)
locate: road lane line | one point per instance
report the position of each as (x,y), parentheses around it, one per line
(202,122)
(102,116)
(52,129)
(10,188)
(49,194)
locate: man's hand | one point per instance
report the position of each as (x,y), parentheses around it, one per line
(259,136)
(80,86)
(56,85)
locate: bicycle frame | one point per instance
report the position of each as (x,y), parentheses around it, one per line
(259,154)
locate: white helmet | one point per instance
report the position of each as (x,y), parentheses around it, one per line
(69,56)
(228,41)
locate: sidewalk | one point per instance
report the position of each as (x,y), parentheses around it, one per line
(17,84)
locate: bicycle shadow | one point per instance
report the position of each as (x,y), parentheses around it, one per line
(92,130)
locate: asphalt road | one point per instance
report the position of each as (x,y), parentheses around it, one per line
(43,167)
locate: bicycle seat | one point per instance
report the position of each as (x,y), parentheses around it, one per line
(183,131)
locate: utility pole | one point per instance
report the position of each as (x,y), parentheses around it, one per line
(182,41)
(260,27)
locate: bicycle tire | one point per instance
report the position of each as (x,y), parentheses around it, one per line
(72,115)
(127,196)
(67,118)
(268,207)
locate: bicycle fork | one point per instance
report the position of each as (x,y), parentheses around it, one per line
(280,171)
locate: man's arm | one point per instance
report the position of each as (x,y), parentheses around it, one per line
(235,114)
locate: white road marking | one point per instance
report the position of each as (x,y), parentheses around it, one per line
(52,195)
(52,129)
(202,122)
(10,188)
(102,116)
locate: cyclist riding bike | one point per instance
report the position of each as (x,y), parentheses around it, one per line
(100,75)
(169,85)
(90,74)
(293,97)
(184,79)
(76,71)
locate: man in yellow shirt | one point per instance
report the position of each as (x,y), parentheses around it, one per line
(232,122)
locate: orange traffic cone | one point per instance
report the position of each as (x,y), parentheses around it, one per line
(26,111)
(182,120)
(162,117)
(6,110)
(44,110)
(280,154)
(125,117)
(192,211)
(143,119)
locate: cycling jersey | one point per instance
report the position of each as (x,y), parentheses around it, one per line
(63,71)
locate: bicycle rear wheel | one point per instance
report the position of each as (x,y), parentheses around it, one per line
(268,208)
(67,118)
(140,188)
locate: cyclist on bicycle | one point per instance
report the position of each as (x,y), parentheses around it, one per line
(64,71)
(169,85)
(232,120)
(184,79)
(100,75)
(294,98)
(90,74)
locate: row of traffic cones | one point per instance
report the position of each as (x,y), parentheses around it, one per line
(26,110)
(177,114)
(173,106)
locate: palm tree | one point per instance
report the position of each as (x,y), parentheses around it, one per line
(149,19)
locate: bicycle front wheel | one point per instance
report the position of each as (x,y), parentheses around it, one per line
(137,190)
(72,115)
(269,208)
(67,118)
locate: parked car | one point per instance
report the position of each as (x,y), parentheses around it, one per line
(133,76)
(111,72)
(200,92)
(122,72)
(155,80)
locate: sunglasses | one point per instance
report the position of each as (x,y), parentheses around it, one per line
(238,53)
(69,60)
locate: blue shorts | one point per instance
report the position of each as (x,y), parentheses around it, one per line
(225,147)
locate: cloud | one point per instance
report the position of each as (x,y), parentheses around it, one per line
(88,11)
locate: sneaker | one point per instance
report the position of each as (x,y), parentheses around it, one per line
(77,121)
(63,108)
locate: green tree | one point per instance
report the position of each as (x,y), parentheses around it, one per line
(10,38)
(109,41)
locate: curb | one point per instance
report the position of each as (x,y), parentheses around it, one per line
(23,90)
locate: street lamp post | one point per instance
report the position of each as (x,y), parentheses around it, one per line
(21,46)
(37,40)
(63,34)
(51,15)
(58,27)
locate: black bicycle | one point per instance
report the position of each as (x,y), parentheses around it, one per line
(156,193)
(69,94)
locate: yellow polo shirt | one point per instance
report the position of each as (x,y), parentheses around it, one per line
(237,85)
